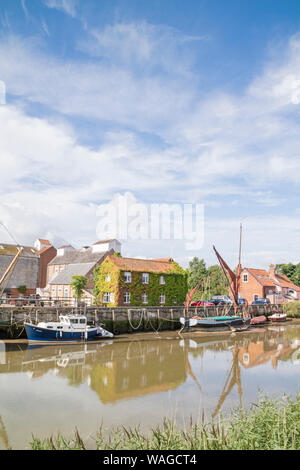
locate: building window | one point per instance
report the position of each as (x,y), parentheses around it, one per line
(245,278)
(162,298)
(107,279)
(145,278)
(145,298)
(127,276)
(66,292)
(126,297)
(106,297)
(162,280)
(255,297)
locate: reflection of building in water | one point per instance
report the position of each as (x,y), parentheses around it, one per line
(141,368)
(255,354)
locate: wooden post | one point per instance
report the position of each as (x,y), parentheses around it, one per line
(113,320)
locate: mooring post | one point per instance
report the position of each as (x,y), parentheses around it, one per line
(113,320)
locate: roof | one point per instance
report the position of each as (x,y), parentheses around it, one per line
(65,276)
(106,241)
(141,265)
(284,281)
(44,242)
(45,249)
(12,250)
(263,276)
(79,256)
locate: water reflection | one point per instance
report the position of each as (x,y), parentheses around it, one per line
(210,368)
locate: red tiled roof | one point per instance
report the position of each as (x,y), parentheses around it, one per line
(141,265)
(262,276)
(44,249)
(44,242)
(284,281)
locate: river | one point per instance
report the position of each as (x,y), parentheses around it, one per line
(140,379)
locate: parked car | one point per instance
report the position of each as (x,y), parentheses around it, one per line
(225,298)
(218,302)
(261,301)
(202,303)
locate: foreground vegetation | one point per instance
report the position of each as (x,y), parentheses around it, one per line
(271,424)
(292,309)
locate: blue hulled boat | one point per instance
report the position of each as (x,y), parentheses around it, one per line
(70,328)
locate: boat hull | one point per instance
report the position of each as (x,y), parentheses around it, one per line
(218,323)
(261,320)
(42,335)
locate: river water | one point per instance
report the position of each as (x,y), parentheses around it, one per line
(140,379)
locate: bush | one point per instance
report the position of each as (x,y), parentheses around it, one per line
(292,309)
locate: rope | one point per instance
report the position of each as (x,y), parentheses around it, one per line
(130,323)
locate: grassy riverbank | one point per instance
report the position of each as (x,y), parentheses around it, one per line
(292,309)
(269,424)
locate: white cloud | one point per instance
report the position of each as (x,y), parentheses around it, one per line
(67,6)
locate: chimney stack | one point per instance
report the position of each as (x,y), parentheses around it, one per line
(272,271)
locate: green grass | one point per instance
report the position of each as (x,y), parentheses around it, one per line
(292,309)
(270,424)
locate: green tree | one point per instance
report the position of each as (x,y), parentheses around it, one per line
(78,285)
(196,271)
(22,289)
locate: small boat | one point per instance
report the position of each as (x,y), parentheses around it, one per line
(261,320)
(278,317)
(215,322)
(70,328)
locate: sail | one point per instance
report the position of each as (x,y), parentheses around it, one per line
(190,296)
(234,286)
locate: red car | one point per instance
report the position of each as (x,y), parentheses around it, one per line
(202,303)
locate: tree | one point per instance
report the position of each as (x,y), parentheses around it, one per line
(196,271)
(78,285)
(22,289)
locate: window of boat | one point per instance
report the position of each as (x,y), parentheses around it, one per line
(74,320)
(82,320)
(49,326)
(59,327)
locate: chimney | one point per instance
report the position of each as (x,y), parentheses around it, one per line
(272,271)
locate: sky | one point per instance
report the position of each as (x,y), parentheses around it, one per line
(153,102)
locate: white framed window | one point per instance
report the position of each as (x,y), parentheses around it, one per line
(162,298)
(245,277)
(145,278)
(127,276)
(126,297)
(107,278)
(162,280)
(106,297)
(145,298)
(66,292)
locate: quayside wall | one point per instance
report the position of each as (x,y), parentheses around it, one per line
(118,320)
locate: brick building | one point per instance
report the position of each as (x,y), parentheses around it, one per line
(260,283)
(71,262)
(137,282)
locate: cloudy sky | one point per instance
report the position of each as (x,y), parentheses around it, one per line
(153,102)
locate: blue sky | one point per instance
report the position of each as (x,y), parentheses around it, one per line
(153,102)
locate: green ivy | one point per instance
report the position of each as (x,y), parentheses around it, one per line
(175,287)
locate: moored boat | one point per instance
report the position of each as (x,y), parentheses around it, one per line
(278,317)
(261,320)
(70,328)
(215,322)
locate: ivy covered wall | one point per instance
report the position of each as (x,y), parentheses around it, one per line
(174,289)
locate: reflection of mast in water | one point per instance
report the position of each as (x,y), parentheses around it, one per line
(3,435)
(233,377)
